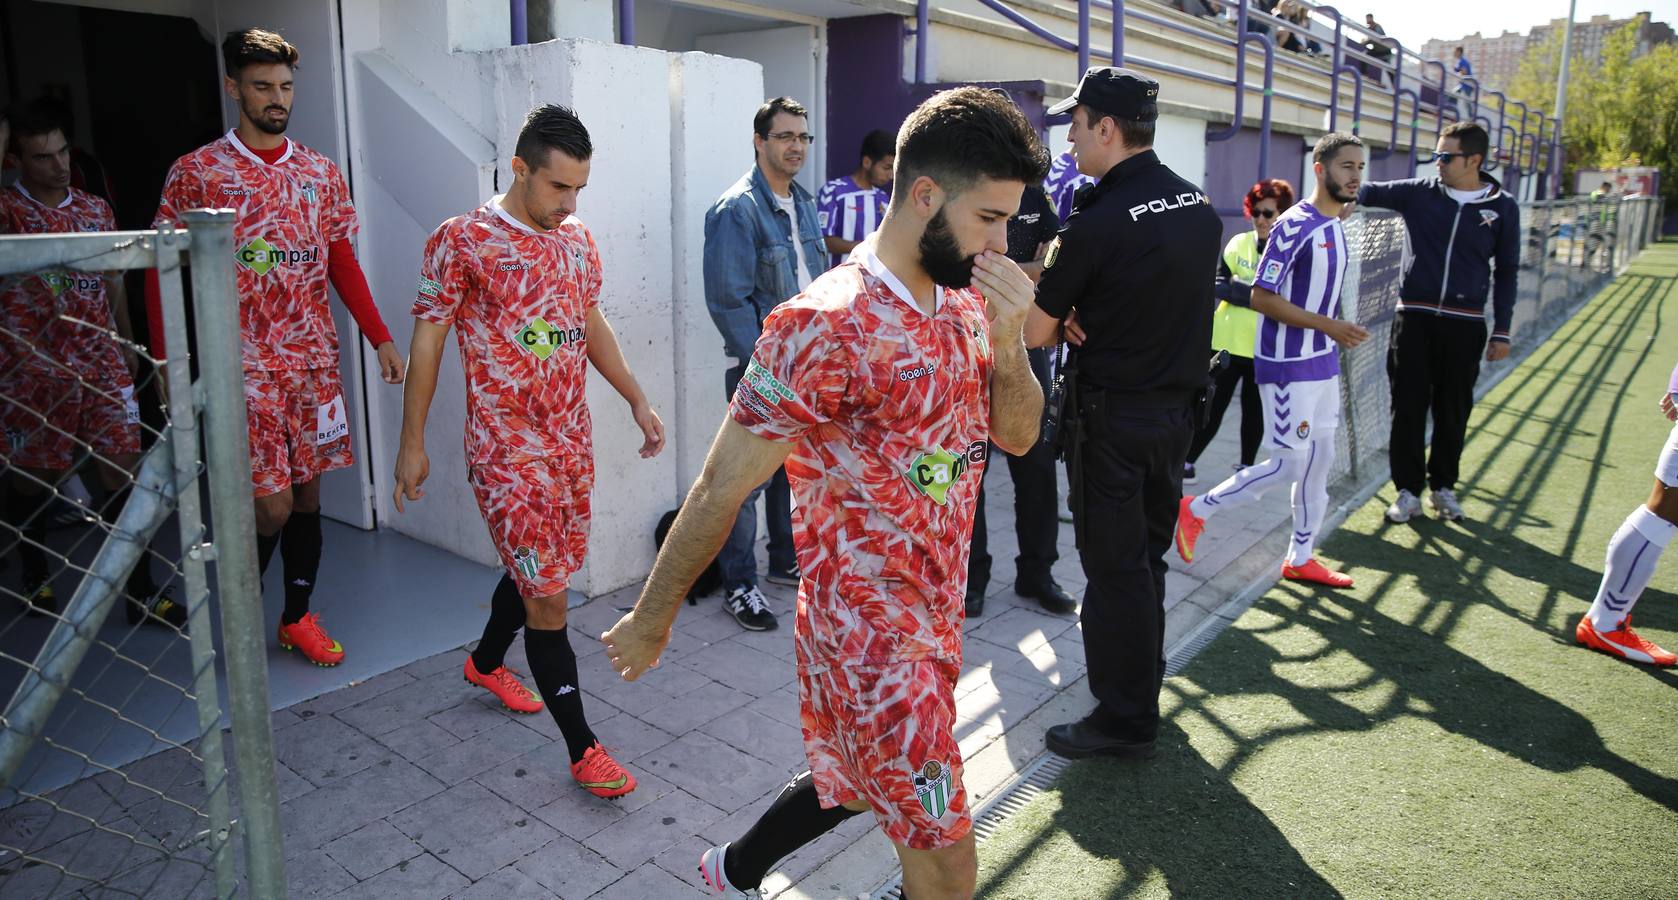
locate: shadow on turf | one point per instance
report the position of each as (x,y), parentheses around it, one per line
(1180,819)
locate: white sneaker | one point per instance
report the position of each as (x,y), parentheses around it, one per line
(1404,508)
(710,871)
(1444,503)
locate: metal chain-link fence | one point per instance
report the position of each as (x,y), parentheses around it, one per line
(1570,249)
(114,774)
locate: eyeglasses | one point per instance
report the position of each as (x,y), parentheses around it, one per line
(1444,156)
(787,137)
(1265,213)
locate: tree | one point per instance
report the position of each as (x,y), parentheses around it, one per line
(1622,109)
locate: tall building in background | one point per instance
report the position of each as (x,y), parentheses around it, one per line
(1497,59)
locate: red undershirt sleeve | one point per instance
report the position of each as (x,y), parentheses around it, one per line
(346,276)
(154,316)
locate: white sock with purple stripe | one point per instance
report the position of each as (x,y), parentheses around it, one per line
(1248,485)
(1632,556)
(1310,498)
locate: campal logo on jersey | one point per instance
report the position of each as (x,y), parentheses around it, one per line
(262,257)
(934,471)
(542,339)
(60,281)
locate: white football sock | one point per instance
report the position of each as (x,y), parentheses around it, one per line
(1310,498)
(1632,556)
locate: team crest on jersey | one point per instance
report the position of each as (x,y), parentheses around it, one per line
(309,193)
(1304,430)
(542,339)
(17,439)
(527,562)
(932,788)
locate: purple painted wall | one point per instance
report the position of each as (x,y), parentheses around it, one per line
(866,90)
(1232,168)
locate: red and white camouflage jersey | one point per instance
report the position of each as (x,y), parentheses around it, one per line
(890,411)
(519,299)
(289,213)
(41,315)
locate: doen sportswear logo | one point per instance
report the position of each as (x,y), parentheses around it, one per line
(261,257)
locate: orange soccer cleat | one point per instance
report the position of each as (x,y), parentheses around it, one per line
(600,774)
(308,638)
(1316,573)
(506,688)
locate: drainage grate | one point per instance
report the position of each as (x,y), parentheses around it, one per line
(1028,785)
(1188,650)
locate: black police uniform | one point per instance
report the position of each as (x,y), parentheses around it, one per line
(1036,519)
(1137,259)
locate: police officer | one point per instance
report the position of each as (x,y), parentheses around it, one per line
(1128,281)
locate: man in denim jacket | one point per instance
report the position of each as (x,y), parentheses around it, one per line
(763,245)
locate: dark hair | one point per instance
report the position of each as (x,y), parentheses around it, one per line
(879,144)
(552,127)
(1136,135)
(254,47)
(1269,189)
(958,136)
(1458,50)
(36,118)
(1331,144)
(1471,138)
(766,113)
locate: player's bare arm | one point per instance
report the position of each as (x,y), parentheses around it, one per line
(1016,401)
(1272,305)
(607,358)
(390,363)
(425,356)
(738,462)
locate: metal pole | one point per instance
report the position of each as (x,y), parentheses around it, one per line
(216,311)
(1561,101)
(183,432)
(1083,37)
(520,13)
(1118,33)
(923,26)
(626,22)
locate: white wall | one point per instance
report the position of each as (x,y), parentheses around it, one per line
(434,129)
(709,97)
(1181,144)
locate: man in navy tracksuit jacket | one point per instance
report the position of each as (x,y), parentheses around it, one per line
(1464,241)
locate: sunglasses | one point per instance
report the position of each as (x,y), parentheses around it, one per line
(1265,213)
(1446,156)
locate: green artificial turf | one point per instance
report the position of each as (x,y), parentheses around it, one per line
(1433,732)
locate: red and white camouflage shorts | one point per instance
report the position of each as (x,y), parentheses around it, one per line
(51,421)
(886,734)
(538,517)
(299,427)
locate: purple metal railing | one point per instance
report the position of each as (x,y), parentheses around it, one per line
(520,14)
(626,21)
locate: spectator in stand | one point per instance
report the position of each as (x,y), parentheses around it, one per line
(1377,48)
(1235,324)
(1463,70)
(1297,39)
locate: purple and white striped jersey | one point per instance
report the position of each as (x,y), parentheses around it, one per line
(1064,181)
(1305,263)
(849,212)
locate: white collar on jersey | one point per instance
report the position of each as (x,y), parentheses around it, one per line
(69,195)
(233,138)
(509,218)
(865,257)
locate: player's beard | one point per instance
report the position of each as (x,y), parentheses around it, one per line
(259,118)
(941,256)
(1339,191)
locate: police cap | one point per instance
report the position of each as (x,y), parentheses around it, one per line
(1120,93)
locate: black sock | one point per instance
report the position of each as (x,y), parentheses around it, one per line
(141,588)
(300,554)
(554,667)
(795,818)
(506,617)
(24,513)
(265,544)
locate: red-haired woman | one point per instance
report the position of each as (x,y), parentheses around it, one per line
(1235,325)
